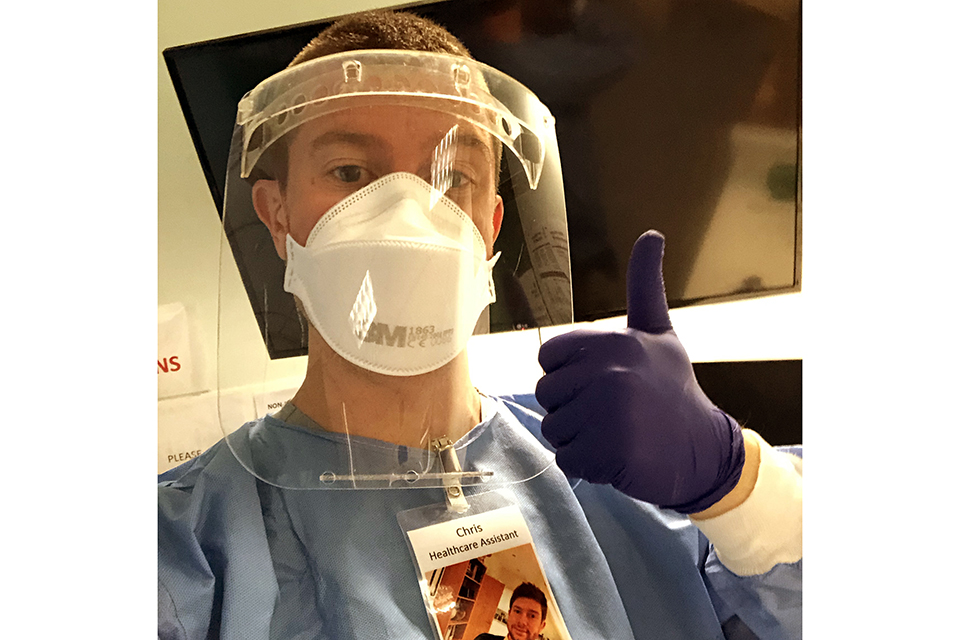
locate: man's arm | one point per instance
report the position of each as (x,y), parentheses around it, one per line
(744,486)
(624,408)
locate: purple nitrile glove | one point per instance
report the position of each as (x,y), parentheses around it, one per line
(624,407)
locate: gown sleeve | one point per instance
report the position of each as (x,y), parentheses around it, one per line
(209,512)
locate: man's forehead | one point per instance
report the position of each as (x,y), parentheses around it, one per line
(527,603)
(387,129)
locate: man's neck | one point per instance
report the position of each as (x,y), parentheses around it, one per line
(407,410)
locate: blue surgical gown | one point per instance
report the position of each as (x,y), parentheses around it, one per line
(240,558)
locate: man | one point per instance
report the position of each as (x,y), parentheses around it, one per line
(527,617)
(375,173)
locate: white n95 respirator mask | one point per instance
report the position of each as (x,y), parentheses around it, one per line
(394,277)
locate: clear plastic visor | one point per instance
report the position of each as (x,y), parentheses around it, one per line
(395,225)
(475,92)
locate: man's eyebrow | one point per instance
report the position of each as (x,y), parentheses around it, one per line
(345,137)
(470,139)
(467,139)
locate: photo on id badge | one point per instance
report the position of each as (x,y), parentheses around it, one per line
(501,595)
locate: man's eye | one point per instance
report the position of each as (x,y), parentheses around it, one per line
(348,173)
(459,179)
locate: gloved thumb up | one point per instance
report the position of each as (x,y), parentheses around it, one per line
(624,408)
(646,295)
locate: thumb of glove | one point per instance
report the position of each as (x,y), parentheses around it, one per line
(646,295)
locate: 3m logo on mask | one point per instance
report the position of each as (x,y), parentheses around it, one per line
(408,337)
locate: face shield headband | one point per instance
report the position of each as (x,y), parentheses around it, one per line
(476,92)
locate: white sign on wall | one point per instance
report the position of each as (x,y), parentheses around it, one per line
(178,358)
(189,425)
(272,401)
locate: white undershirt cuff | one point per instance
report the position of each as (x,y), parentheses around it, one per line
(767,528)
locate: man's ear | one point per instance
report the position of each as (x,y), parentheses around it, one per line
(497,217)
(496,222)
(268,202)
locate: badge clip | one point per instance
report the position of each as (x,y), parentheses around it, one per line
(450,466)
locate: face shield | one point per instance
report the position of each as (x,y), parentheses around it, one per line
(414,199)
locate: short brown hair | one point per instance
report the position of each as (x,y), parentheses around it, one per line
(380,29)
(532,592)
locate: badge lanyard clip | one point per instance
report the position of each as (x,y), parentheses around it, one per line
(450,466)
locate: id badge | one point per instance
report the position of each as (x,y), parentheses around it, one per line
(479,573)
